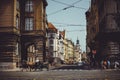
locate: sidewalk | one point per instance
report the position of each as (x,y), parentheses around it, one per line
(16,69)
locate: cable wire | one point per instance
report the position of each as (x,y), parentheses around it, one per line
(65,24)
(71,4)
(75,30)
(68,6)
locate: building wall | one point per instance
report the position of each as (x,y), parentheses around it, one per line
(93,31)
(109,26)
(14,48)
(61,44)
(9,32)
(69,51)
(92,24)
(106,22)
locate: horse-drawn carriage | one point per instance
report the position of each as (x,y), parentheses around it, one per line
(30,66)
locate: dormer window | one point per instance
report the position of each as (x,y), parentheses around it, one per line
(29,6)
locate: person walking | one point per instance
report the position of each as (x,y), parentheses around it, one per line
(108,64)
(116,65)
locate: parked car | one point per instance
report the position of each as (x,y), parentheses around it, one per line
(80,63)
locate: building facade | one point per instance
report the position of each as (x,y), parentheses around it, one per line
(77,52)
(103,41)
(53,46)
(23,28)
(61,44)
(92,20)
(69,51)
(109,29)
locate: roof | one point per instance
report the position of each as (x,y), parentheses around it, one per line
(62,33)
(51,27)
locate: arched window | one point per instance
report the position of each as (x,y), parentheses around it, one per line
(29,6)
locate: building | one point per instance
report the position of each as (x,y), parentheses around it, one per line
(69,51)
(53,46)
(61,44)
(23,30)
(109,29)
(92,32)
(103,29)
(77,52)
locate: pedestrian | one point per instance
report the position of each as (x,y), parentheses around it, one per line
(116,65)
(108,64)
(104,64)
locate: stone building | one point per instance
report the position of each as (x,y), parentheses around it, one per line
(109,29)
(103,29)
(92,31)
(23,31)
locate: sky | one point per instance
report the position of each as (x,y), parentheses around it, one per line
(69,15)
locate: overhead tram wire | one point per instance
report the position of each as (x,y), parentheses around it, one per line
(69,25)
(55,12)
(76,2)
(66,24)
(59,10)
(70,4)
(76,30)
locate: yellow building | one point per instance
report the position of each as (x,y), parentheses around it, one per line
(69,51)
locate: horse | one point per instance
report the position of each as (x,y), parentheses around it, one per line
(39,65)
(30,66)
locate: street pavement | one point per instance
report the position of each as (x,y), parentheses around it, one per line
(62,73)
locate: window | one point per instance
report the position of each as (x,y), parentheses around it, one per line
(51,36)
(17,48)
(31,49)
(17,22)
(51,48)
(51,41)
(17,5)
(29,6)
(28,23)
